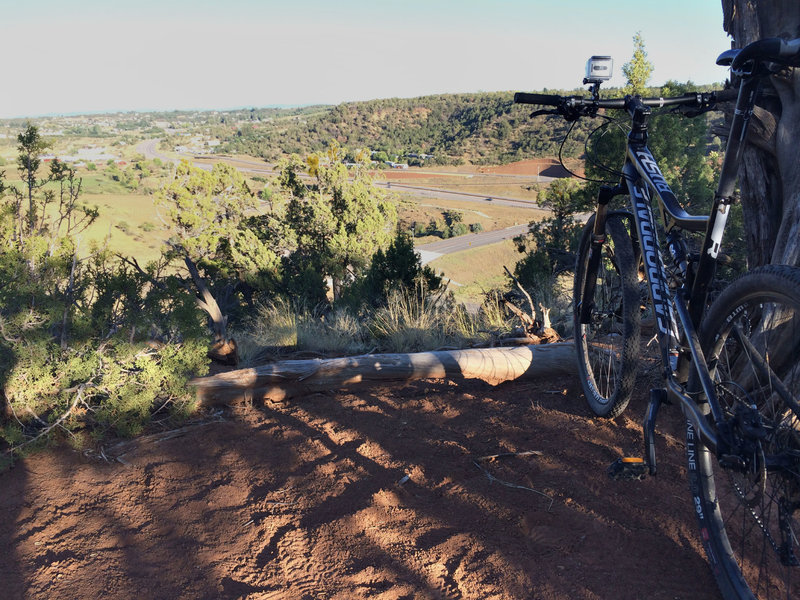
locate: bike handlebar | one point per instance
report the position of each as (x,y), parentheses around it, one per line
(543,99)
(571,103)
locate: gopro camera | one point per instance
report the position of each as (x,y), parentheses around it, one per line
(598,69)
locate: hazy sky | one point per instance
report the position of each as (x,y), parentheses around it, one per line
(107,55)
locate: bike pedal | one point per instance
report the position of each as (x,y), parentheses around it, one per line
(628,468)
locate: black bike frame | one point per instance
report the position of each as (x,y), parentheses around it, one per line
(681,309)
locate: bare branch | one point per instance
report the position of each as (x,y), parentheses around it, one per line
(78,398)
(522,289)
(135,264)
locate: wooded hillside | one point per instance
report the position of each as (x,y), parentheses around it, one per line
(481,128)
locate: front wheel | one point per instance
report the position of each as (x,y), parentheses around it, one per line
(607,345)
(747,499)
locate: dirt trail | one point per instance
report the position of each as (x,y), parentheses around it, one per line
(372,495)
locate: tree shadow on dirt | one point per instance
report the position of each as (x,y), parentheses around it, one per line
(377,493)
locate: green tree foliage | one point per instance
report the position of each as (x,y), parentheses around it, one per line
(31,145)
(336,221)
(638,70)
(87,345)
(482,128)
(210,212)
(215,223)
(396,269)
(551,242)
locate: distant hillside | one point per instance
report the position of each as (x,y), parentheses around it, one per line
(483,128)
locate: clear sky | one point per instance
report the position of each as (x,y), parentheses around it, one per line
(107,55)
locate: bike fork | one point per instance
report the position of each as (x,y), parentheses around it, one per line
(596,251)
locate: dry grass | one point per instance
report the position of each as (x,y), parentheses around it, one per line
(491,216)
(409,322)
(281,325)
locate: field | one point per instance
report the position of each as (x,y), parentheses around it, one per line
(133,224)
(474,272)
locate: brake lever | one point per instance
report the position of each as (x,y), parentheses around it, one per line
(695,111)
(691,112)
(538,113)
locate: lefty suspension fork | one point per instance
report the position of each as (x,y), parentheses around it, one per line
(586,299)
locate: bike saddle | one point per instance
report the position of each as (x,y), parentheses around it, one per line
(726,58)
(764,52)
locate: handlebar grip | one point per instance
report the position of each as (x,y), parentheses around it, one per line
(544,99)
(726,95)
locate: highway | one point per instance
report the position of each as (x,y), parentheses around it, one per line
(434,250)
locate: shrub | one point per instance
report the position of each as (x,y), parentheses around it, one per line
(104,386)
(397,268)
(459,229)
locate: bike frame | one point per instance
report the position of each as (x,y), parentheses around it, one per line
(683,308)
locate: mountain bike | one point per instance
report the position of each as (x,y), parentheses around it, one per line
(732,365)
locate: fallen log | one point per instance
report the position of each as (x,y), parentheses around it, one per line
(289,378)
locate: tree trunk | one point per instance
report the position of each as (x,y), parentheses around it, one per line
(289,378)
(769,175)
(223,349)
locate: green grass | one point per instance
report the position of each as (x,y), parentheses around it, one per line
(128,222)
(126,218)
(477,270)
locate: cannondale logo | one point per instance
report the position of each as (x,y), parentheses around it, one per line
(655,271)
(653,171)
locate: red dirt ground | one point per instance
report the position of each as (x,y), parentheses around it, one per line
(538,166)
(378,494)
(403,174)
(523,167)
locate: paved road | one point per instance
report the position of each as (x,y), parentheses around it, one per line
(430,192)
(150,150)
(434,250)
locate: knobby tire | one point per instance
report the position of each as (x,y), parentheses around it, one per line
(749,516)
(608,346)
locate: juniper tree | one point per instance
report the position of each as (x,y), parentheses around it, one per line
(336,221)
(638,70)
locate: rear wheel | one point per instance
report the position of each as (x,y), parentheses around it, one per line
(747,500)
(607,345)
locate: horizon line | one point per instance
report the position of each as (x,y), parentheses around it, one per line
(100,112)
